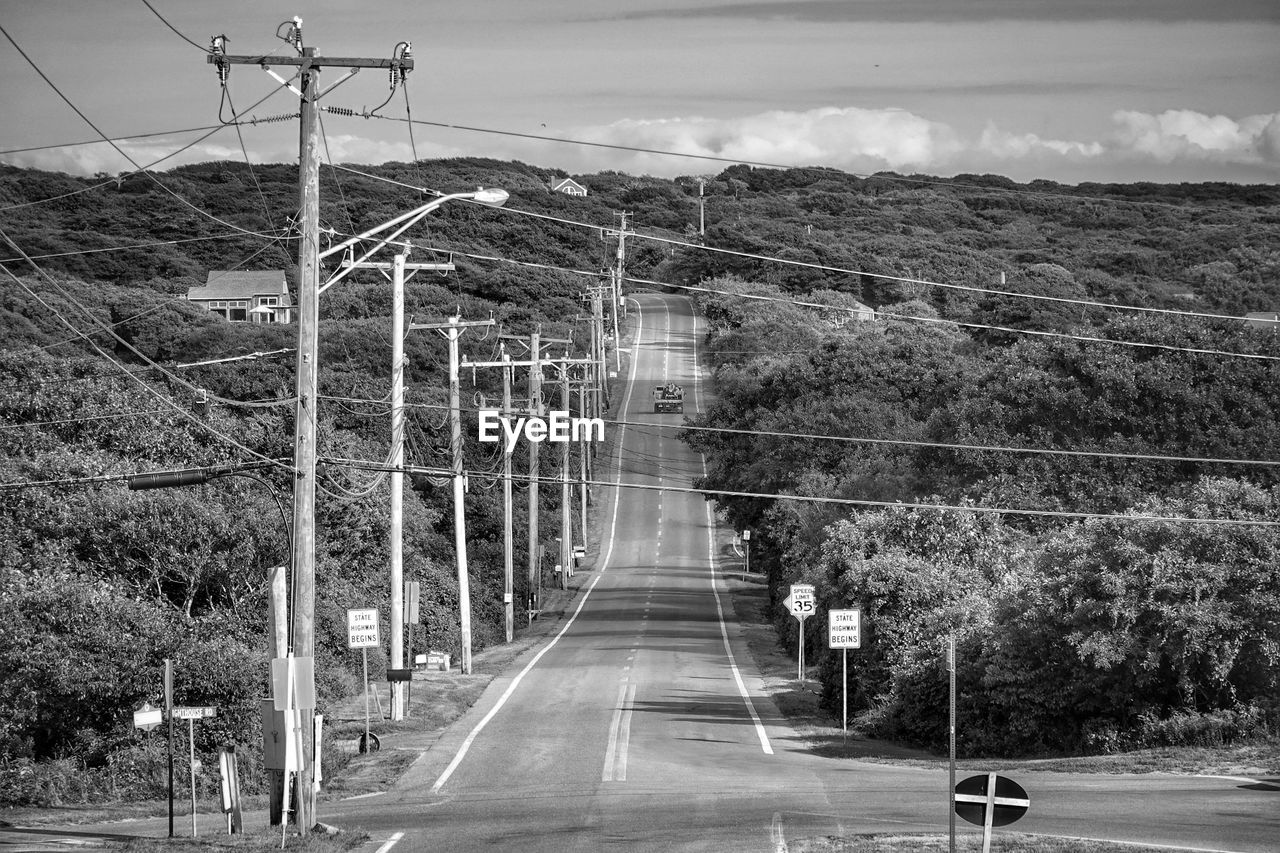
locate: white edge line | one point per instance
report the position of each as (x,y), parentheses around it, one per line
(390,842)
(604,564)
(711,561)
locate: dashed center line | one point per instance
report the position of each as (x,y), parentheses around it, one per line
(615,757)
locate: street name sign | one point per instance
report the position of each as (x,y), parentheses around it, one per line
(362,628)
(844,629)
(194,713)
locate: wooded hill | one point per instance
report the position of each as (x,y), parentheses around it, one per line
(100,584)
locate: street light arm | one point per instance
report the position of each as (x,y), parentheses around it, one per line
(490,198)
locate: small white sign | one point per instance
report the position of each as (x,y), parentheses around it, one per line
(147,718)
(801,603)
(193,713)
(362,629)
(844,629)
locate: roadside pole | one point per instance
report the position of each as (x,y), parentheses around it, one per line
(168,712)
(844,632)
(951,678)
(191,757)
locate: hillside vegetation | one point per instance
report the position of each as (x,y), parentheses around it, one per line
(1082,634)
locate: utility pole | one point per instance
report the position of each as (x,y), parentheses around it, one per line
(308,63)
(566,508)
(702,218)
(453,331)
(618,275)
(398,267)
(535,344)
(508,534)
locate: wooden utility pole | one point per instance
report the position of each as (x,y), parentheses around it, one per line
(566,500)
(508,538)
(535,345)
(617,275)
(453,331)
(397,267)
(309,64)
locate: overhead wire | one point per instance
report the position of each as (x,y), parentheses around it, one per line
(852,439)
(109,330)
(121,151)
(1045,513)
(144,385)
(733,161)
(841,308)
(830,268)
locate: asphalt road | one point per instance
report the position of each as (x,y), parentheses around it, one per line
(641,724)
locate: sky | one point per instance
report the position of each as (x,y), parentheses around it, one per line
(1063,90)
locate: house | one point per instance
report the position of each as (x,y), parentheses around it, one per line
(246,296)
(569,186)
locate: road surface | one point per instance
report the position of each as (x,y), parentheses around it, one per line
(642,724)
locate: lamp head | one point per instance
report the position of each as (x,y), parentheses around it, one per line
(491,197)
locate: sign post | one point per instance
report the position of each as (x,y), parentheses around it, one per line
(801,605)
(951,722)
(362,634)
(231,790)
(191,715)
(844,632)
(746,548)
(168,711)
(989,800)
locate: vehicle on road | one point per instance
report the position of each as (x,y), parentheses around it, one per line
(668,399)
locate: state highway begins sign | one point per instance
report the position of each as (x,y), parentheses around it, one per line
(362,628)
(1005,797)
(844,629)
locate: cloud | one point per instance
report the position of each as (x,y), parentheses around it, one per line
(861,139)
(1175,145)
(1184,134)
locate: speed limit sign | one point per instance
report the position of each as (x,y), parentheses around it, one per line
(801,602)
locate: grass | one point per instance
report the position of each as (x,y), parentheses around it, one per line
(258,841)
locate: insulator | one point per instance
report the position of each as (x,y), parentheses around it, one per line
(340,111)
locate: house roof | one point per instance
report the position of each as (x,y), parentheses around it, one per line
(241,284)
(567,182)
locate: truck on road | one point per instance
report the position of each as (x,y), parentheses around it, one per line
(668,398)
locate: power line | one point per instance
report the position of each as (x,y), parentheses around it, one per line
(851,439)
(938,182)
(714,493)
(86,418)
(133,349)
(78,252)
(176,31)
(119,150)
(845,309)
(99,141)
(841,270)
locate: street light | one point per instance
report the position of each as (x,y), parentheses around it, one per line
(492,197)
(489,197)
